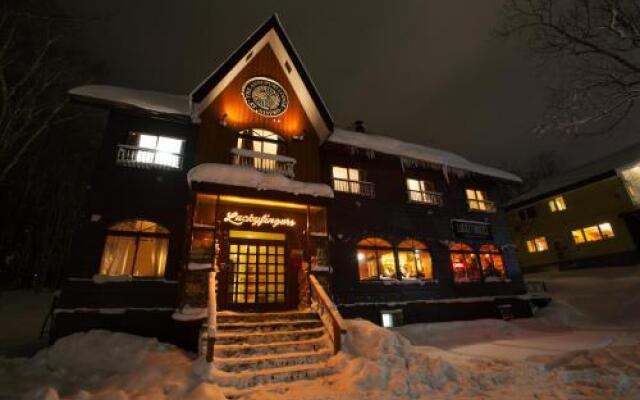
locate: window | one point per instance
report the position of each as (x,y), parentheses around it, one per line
(422,191)
(537,245)
(135,247)
(375,259)
(557,204)
(262,150)
(593,233)
(151,150)
(527,214)
(464,263)
(492,262)
(351,180)
(478,201)
(631,179)
(414,260)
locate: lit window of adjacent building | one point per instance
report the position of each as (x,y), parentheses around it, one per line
(415,260)
(478,201)
(151,151)
(537,245)
(421,191)
(375,259)
(464,263)
(631,179)
(557,204)
(351,180)
(136,248)
(593,233)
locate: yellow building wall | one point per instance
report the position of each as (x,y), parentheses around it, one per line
(595,203)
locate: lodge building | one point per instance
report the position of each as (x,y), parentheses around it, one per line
(248,176)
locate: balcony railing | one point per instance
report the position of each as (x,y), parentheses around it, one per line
(362,188)
(425,197)
(264,162)
(137,157)
(482,205)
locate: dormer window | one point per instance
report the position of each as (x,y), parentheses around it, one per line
(262,150)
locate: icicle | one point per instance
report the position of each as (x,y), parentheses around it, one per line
(445,172)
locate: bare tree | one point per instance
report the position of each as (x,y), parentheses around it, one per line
(31,76)
(598,42)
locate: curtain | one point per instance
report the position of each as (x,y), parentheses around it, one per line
(151,257)
(117,257)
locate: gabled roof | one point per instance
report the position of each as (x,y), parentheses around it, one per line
(272,33)
(585,174)
(414,151)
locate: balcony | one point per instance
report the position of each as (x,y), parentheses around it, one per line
(264,162)
(482,206)
(138,157)
(425,197)
(362,188)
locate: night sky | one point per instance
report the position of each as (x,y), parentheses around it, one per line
(424,71)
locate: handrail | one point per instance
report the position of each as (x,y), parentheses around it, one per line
(212,319)
(139,157)
(335,326)
(426,197)
(362,188)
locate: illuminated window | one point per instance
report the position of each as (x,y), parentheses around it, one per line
(135,247)
(415,260)
(631,178)
(593,233)
(464,263)
(537,245)
(492,262)
(351,180)
(375,259)
(262,149)
(557,204)
(478,201)
(422,191)
(151,150)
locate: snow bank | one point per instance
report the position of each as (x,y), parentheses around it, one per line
(103,365)
(188,313)
(248,177)
(156,102)
(387,145)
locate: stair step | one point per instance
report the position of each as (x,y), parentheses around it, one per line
(231,317)
(248,350)
(269,326)
(246,379)
(271,361)
(268,337)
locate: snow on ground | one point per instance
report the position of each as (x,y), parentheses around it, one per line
(585,345)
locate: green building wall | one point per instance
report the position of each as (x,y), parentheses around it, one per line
(601,201)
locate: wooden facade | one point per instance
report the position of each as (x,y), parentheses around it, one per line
(265,241)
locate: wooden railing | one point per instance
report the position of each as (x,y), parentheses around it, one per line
(362,188)
(482,205)
(425,197)
(269,163)
(212,321)
(329,314)
(137,157)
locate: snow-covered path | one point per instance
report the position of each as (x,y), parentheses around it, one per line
(586,345)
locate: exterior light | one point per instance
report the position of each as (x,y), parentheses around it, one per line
(360,257)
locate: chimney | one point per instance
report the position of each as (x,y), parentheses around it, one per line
(359,126)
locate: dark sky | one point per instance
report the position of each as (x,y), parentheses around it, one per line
(427,71)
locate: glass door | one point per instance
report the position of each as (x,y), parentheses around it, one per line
(258,276)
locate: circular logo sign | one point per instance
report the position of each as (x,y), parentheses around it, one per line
(265,97)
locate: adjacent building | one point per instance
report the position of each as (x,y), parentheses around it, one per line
(589,216)
(247,175)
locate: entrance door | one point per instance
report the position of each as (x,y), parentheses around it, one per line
(259,276)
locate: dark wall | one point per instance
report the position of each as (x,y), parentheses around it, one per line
(391,216)
(119,193)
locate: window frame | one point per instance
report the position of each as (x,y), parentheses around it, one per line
(417,247)
(582,234)
(137,235)
(376,249)
(493,252)
(480,197)
(424,196)
(557,204)
(471,251)
(533,244)
(355,186)
(137,154)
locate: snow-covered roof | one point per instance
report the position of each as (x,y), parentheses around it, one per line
(154,102)
(234,175)
(593,170)
(388,145)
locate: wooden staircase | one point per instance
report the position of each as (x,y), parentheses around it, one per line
(259,348)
